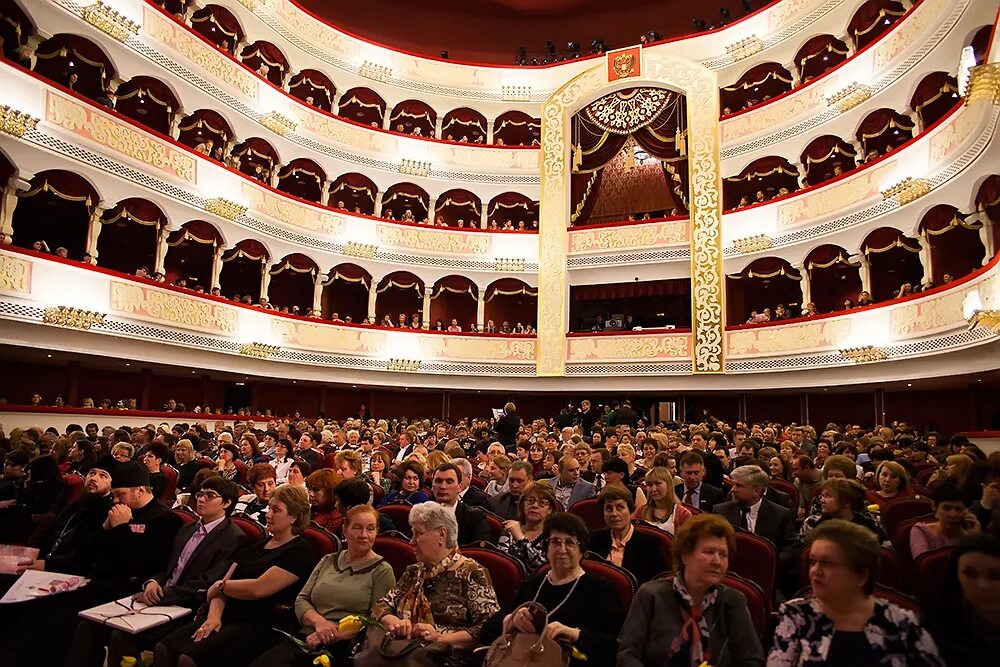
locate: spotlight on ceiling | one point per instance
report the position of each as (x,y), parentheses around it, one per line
(724,13)
(444,55)
(522,56)
(699,24)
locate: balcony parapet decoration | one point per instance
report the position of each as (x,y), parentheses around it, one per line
(225,208)
(745,48)
(985,319)
(375,72)
(366,250)
(107,20)
(907,190)
(414,167)
(258,350)
(516,93)
(403,365)
(849,97)
(72,318)
(278,123)
(866,354)
(984,84)
(509,264)
(14,122)
(751,244)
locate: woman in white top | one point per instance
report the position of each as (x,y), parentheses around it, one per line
(497,469)
(282,460)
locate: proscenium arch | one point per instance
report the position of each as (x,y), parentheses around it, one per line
(700,86)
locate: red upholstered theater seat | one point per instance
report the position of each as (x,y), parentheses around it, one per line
(892,572)
(377,493)
(252,529)
(205,462)
(755,559)
(790,489)
(928,575)
(478,482)
(900,538)
(185,513)
(323,541)
(73,487)
(496,527)
(506,572)
(623,580)
(398,552)
(590,512)
(170,488)
(665,539)
(896,511)
(400,515)
(241,472)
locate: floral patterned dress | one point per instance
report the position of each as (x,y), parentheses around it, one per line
(804,634)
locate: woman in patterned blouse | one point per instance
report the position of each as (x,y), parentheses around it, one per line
(523,538)
(443,597)
(843,623)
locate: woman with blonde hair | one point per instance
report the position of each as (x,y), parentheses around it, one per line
(662,510)
(434,459)
(187,464)
(892,481)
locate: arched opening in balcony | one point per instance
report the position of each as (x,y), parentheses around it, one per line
(75,62)
(761,287)
(190,253)
(511,301)
(406,202)
(207,132)
(353,192)
(464,125)
(988,206)
(520,211)
(894,261)
(148,101)
(650,304)
(632,143)
(256,158)
(413,117)
(833,278)
(516,128)
(758,84)
(219,26)
(345,293)
(763,179)
(362,105)
(827,157)
(980,43)
(399,300)
(458,208)
(955,246)
(314,88)
(56,210)
(130,235)
(454,301)
(302,178)
(819,54)
(882,131)
(872,20)
(267,60)
(293,282)
(243,269)
(934,97)
(16,28)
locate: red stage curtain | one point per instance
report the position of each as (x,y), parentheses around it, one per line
(818,55)
(981,43)
(769,267)
(872,19)
(457,204)
(759,82)
(218,25)
(402,196)
(141,211)
(583,194)
(315,84)
(631,290)
(362,105)
(266,53)
(296,262)
(356,191)
(196,230)
(463,124)
(516,128)
(250,249)
(411,114)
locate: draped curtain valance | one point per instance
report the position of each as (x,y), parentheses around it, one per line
(401,280)
(221,18)
(887,238)
(250,249)
(63,184)
(73,46)
(138,210)
(296,263)
(198,231)
(349,273)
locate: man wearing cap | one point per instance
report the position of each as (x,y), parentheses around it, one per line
(202,552)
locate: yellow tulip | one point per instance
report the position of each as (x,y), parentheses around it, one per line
(350,624)
(129,661)
(322,661)
(873,508)
(576,654)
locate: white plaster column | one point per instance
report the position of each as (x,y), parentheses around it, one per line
(426,323)
(265,280)
(94,231)
(386,122)
(161,250)
(987,234)
(483,216)
(431,210)
(926,261)
(489,130)
(481,308)
(317,304)
(438,126)
(217,268)
(372,296)
(801,168)
(793,69)
(805,285)
(864,270)
(324,195)
(8,202)
(378,203)
(175,123)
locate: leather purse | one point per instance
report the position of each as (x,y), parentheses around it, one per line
(521,649)
(382,650)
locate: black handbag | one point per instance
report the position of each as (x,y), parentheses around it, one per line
(382,650)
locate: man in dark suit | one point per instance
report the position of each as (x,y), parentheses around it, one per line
(587,417)
(505,504)
(694,491)
(624,415)
(472,524)
(201,555)
(469,494)
(751,511)
(507,427)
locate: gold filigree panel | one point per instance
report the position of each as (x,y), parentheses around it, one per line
(417,238)
(788,10)
(355,136)
(926,316)
(901,38)
(842,194)
(163,30)
(700,86)
(163,306)
(291,212)
(654,347)
(325,338)
(775,114)
(673,232)
(117,136)
(789,339)
(477,349)
(15,274)
(956,131)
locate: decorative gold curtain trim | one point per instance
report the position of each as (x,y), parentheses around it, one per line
(944,90)
(144,92)
(239,252)
(442,288)
(955,222)
(753,175)
(676,178)
(263,156)
(518,123)
(769,75)
(450,201)
(500,205)
(286,266)
(364,105)
(882,13)
(415,285)
(583,200)
(524,290)
(299,170)
(898,243)
(47,187)
(986,204)
(126,214)
(405,195)
(340,276)
(478,124)
(415,116)
(201,123)
(779,272)
(312,84)
(660,137)
(64,52)
(269,63)
(353,188)
(836,149)
(839,259)
(189,236)
(211,17)
(829,48)
(891,125)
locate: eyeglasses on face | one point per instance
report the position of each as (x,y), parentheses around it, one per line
(207,495)
(560,543)
(541,502)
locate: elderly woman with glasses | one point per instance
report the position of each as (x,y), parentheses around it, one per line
(444,597)
(523,538)
(573,606)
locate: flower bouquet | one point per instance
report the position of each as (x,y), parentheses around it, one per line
(348,624)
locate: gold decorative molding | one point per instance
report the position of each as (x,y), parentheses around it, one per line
(252,5)
(73,318)
(414,167)
(515,93)
(183,310)
(907,190)
(849,97)
(866,354)
(984,84)
(109,21)
(15,274)
(375,72)
(14,122)
(278,123)
(225,208)
(985,319)
(403,365)
(754,243)
(434,239)
(367,250)
(745,48)
(258,350)
(508,264)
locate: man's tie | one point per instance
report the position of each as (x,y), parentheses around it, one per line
(689,497)
(744,513)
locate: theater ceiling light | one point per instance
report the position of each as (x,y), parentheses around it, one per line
(109,21)
(847,98)
(14,122)
(907,190)
(754,243)
(403,365)
(367,250)
(866,354)
(72,318)
(511,264)
(374,71)
(414,167)
(745,48)
(278,123)
(258,350)
(225,208)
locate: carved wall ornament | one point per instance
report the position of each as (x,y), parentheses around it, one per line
(516,93)
(414,167)
(189,312)
(278,123)
(403,365)
(984,84)
(72,318)
(750,244)
(907,190)
(107,20)
(14,122)
(866,354)
(15,274)
(258,350)
(367,250)
(509,264)
(745,48)
(625,112)
(847,98)
(375,72)
(224,208)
